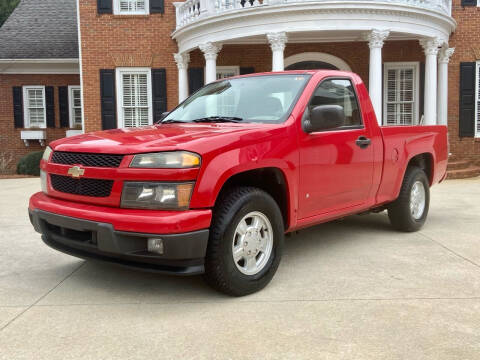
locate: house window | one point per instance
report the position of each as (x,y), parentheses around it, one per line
(224,72)
(34,106)
(401,99)
(477,102)
(131,7)
(75,106)
(134,97)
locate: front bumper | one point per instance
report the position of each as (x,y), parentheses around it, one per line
(183,254)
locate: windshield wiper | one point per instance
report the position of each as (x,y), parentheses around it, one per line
(219,119)
(172,121)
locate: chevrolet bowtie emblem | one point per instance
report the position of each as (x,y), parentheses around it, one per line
(76,171)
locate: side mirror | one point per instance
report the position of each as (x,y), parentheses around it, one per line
(324,117)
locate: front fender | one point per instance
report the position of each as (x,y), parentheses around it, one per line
(218,168)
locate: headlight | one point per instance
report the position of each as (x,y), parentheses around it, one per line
(171,160)
(46,154)
(151,195)
(43,181)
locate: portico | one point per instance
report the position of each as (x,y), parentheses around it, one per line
(300,22)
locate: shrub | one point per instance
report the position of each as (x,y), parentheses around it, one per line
(30,164)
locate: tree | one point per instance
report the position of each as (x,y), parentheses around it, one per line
(6,8)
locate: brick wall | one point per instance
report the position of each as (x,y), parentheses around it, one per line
(466,41)
(110,41)
(10,136)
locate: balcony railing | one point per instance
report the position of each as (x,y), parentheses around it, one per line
(192,10)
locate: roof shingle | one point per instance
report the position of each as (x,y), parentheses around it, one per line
(40,29)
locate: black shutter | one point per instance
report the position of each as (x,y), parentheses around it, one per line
(104,6)
(157,7)
(18,107)
(50,106)
(63,106)
(196,79)
(159,93)
(107,98)
(247,70)
(467,100)
(469,2)
(421,93)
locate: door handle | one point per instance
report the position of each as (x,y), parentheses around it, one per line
(363,142)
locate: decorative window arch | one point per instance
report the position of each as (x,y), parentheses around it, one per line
(317,56)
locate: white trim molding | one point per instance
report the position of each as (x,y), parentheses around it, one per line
(312,21)
(119,91)
(318,56)
(39,66)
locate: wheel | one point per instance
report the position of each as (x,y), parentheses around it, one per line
(246,241)
(409,212)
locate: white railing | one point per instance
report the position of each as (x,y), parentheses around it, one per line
(192,10)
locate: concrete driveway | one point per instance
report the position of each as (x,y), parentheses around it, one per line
(352,289)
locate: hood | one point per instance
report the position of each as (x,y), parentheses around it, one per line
(193,137)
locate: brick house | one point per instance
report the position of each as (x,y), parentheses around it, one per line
(139,58)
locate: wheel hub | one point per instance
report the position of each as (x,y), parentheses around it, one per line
(252,243)
(417,200)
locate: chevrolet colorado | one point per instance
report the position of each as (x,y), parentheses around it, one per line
(215,185)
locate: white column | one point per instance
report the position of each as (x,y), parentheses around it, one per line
(430,47)
(182,61)
(376,38)
(210,52)
(442,104)
(277,44)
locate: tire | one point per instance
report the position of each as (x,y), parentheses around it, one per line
(222,272)
(402,216)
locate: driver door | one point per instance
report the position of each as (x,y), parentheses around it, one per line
(336,169)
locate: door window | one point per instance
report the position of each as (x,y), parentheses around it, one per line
(338,92)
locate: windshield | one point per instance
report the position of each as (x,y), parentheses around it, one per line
(264,99)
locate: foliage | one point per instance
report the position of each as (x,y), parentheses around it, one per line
(30,164)
(6,8)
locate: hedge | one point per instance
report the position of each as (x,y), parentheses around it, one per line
(30,164)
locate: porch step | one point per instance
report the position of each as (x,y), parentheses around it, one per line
(468,172)
(458,165)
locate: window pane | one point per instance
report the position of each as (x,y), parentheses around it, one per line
(338,92)
(135,100)
(400,96)
(36,117)
(35,98)
(77,99)
(77,116)
(132,5)
(35,107)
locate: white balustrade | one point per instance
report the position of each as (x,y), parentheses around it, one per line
(191,10)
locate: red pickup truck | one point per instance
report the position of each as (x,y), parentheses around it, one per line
(214,186)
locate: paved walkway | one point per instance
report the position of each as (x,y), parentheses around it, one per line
(352,289)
